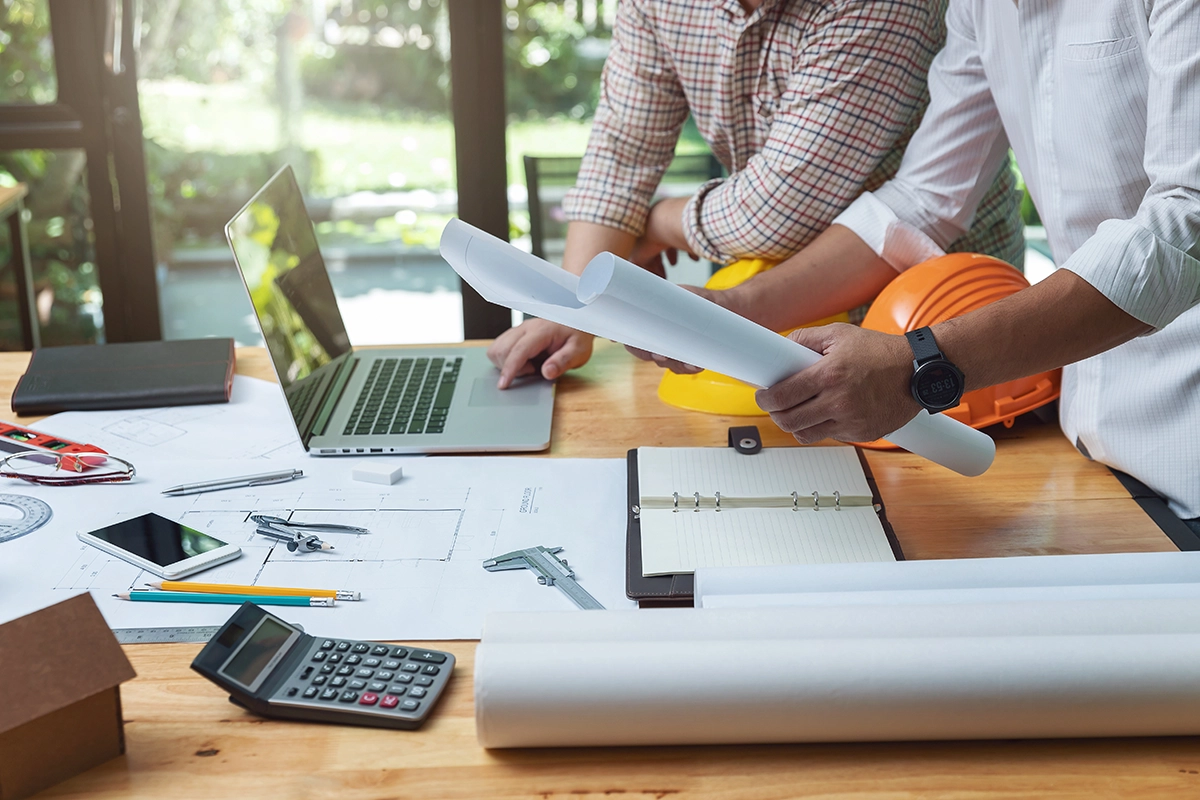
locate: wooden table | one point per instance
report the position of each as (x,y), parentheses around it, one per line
(185,740)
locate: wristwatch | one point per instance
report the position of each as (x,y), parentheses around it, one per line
(936,383)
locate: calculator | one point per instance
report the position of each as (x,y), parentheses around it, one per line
(275,669)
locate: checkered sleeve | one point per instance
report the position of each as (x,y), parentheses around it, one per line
(641,111)
(856,87)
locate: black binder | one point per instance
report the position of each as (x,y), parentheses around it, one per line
(670,591)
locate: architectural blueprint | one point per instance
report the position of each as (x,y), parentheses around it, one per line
(419,569)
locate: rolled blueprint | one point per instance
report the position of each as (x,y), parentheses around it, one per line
(618,300)
(1110,576)
(733,676)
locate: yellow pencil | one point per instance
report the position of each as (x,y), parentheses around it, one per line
(232,588)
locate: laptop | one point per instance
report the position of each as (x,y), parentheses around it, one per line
(359,402)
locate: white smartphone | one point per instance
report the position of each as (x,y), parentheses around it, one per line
(161,546)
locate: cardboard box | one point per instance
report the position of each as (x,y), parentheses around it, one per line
(60,698)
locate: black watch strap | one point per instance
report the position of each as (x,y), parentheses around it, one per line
(923,345)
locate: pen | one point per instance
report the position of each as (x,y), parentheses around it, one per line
(151,596)
(232,588)
(234,483)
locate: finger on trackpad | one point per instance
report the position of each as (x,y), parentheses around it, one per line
(521,393)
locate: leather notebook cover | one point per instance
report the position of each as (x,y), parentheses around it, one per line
(129,375)
(672,591)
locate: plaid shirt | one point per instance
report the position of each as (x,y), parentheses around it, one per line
(807,104)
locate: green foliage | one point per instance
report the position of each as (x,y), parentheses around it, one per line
(26,52)
(547,71)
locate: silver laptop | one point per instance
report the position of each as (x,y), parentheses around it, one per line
(357,402)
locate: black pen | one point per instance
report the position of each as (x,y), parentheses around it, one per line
(234,483)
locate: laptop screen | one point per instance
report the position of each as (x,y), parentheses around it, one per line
(276,249)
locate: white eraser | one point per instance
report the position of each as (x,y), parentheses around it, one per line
(377,471)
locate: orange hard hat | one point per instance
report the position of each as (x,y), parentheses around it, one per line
(950,286)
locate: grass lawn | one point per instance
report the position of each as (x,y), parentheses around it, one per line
(359,147)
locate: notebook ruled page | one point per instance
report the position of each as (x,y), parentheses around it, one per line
(683,541)
(773,472)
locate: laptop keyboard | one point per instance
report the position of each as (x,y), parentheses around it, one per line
(302,398)
(405,395)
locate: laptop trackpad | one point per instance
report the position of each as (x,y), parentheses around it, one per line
(522,393)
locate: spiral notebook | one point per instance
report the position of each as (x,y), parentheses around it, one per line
(713,506)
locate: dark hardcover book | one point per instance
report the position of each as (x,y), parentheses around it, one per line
(130,375)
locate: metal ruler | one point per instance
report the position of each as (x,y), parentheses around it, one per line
(200,633)
(34,514)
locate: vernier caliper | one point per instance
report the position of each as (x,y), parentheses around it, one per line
(550,569)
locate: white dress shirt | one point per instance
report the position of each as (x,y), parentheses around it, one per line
(1100,102)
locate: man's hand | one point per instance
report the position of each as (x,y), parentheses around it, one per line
(515,350)
(858,392)
(721,298)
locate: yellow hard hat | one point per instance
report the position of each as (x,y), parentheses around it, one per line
(712,392)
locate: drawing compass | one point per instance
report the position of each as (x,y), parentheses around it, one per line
(550,570)
(298,536)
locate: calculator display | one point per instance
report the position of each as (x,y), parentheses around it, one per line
(248,663)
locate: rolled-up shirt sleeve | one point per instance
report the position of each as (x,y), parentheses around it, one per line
(934,196)
(1148,265)
(856,87)
(640,114)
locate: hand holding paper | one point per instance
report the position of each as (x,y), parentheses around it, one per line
(618,300)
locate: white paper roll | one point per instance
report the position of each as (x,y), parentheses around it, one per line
(702,676)
(618,300)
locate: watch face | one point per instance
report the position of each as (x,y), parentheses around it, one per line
(938,386)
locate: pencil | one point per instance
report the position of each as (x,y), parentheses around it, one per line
(233,588)
(151,596)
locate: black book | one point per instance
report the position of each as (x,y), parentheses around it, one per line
(130,375)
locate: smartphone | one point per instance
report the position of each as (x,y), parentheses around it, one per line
(161,546)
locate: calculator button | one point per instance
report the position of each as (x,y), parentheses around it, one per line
(428,655)
(398,690)
(343,647)
(348,696)
(417,691)
(320,680)
(410,705)
(399,652)
(327,644)
(359,685)
(377,687)
(335,658)
(380,650)
(320,655)
(385,676)
(306,673)
(345,670)
(411,668)
(329,694)
(327,669)
(311,692)
(391,663)
(402,678)
(353,659)
(361,647)
(365,673)
(430,669)
(338,682)
(391,701)
(424,680)
(369,699)
(293,691)
(371,662)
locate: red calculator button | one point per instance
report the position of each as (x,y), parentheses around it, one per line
(390,701)
(369,699)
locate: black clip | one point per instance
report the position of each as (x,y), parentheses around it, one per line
(745,439)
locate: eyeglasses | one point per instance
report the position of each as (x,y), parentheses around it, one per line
(66,469)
